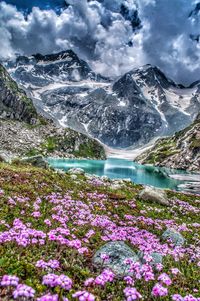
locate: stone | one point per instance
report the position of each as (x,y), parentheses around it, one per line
(73,177)
(156,258)
(154,195)
(176,238)
(4,158)
(117,251)
(38,161)
(76,171)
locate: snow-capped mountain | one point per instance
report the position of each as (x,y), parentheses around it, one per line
(131,111)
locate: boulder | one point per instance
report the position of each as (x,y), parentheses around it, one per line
(4,158)
(154,195)
(38,161)
(117,251)
(76,171)
(156,258)
(175,237)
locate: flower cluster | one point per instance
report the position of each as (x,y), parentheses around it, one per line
(54,280)
(23,290)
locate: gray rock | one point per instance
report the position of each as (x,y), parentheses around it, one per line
(76,171)
(156,258)
(4,158)
(154,195)
(176,238)
(38,161)
(117,251)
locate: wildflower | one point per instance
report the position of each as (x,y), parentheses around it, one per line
(104,257)
(23,290)
(83,296)
(175,271)
(159,267)
(47,222)
(128,261)
(131,294)
(190,298)
(50,280)
(64,282)
(165,279)
(8,280)
(159,291)
(48,298)
(89,281)
(129,280)
(177,297)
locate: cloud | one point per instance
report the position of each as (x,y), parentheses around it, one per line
(104,36)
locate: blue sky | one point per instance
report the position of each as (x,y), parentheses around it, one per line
(43,4)
(102,33)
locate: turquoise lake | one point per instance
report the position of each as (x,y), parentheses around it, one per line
(120,169)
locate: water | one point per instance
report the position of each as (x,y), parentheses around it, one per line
(120,169)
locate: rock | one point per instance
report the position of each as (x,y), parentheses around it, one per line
(38,161)
(156,258)
(76,171)
(154,195)
(4,158)
(73,177)
(117,251)
(176,238)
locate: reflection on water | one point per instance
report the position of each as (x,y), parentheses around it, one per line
(120,169)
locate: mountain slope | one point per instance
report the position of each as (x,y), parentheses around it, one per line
(24,132)
(13,101)
(129,112)
(182,151)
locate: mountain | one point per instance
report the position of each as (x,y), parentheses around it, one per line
(25,132)
(14,103)
(182,151)
(129,112)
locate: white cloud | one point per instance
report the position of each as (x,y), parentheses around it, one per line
(100,34)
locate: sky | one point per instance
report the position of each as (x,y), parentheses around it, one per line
(113,36)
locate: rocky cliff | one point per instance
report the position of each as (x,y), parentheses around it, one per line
(24,132)
(128,112)
(20,139)
(181,151)
(14,103)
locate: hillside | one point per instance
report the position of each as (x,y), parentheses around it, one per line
(181,151)
(23,132)
(14,103)
(128,111)
(52,225)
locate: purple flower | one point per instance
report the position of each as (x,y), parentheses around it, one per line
(48,298)
(129,280)
(84,296)
(23,290)
(159,291)
(64,282)
(50,280)
(165,279)
(89,281)
(104,257)
(175,271)
(190,298)
(131,294)
(8,280)
(177,297)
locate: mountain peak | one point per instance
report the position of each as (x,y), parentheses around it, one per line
(56,56)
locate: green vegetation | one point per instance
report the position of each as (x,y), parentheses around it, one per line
(26,190)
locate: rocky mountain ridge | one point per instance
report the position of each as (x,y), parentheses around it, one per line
(24,132)
(139,106)
(182,151)
(14,103)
